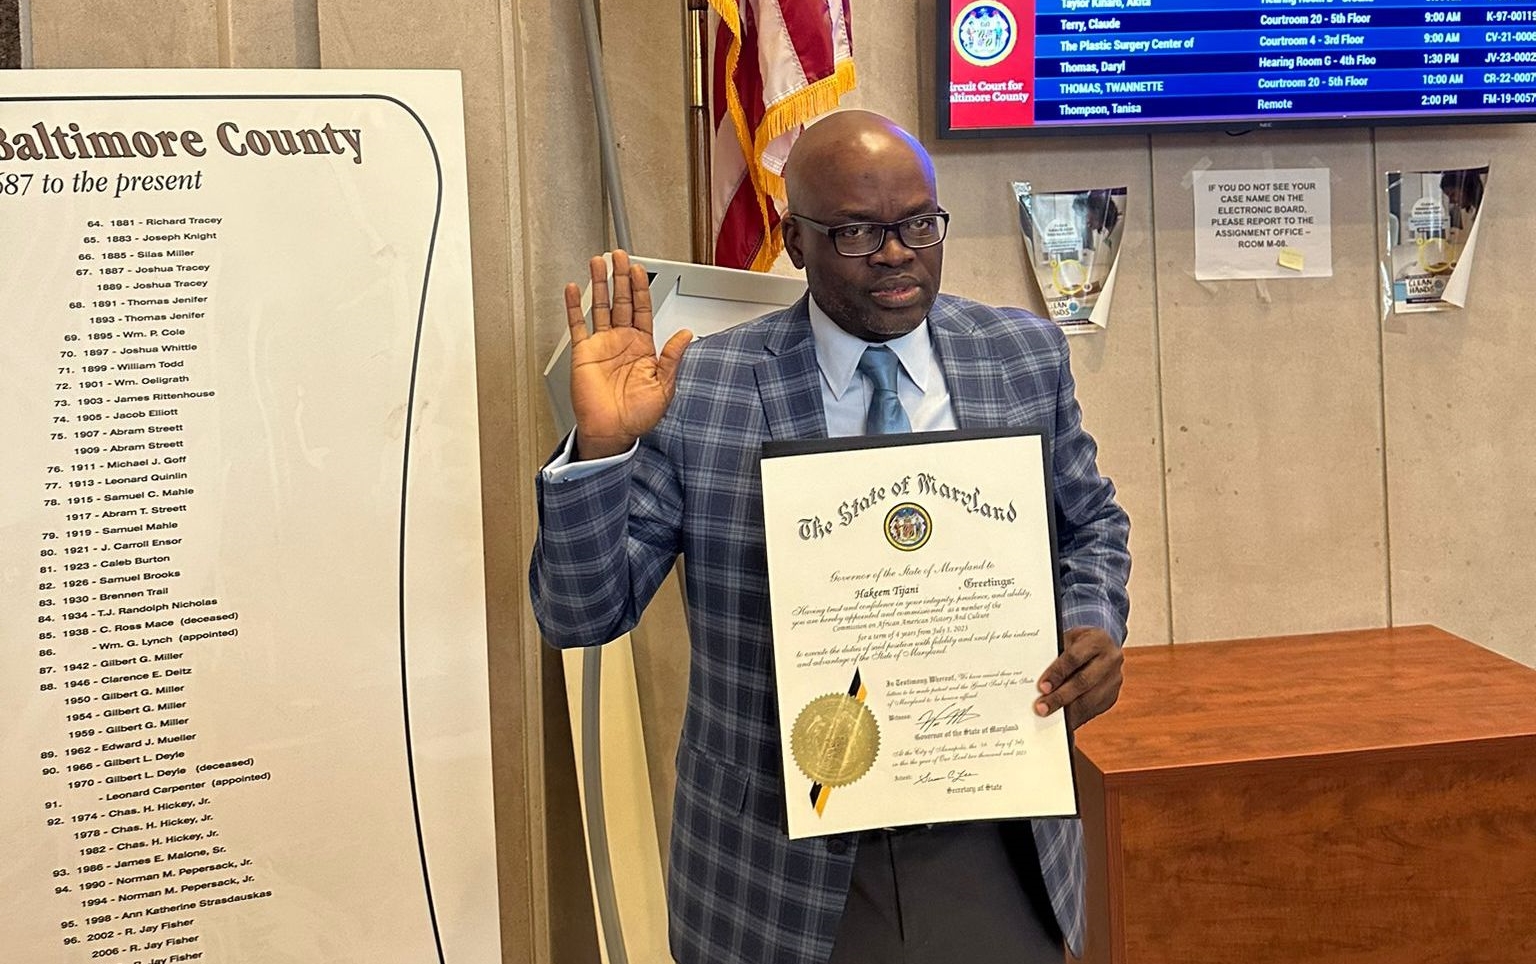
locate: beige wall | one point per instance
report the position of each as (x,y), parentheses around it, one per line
(1289,463)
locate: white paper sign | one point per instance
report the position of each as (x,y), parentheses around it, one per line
(243,684)
(1262,224)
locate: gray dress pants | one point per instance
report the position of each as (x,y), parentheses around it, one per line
(948,894)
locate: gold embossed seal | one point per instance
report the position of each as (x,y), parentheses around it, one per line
(835,740)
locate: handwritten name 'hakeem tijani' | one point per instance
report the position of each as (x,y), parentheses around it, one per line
(922,484)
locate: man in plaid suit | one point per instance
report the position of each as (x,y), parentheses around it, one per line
(664,461)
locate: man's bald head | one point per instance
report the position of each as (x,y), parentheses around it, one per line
(851,170)
(855,140)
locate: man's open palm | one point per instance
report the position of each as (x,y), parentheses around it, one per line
(620,386)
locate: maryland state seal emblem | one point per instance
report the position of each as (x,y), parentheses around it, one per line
(908,526)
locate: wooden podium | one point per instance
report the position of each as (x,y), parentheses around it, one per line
(1365,797)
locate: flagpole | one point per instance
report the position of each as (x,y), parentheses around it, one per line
(700,130)
(605,138)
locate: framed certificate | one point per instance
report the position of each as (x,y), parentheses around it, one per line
(914,605)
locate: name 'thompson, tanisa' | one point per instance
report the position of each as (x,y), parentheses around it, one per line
(68,142)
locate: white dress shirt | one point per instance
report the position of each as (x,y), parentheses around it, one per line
(845,396)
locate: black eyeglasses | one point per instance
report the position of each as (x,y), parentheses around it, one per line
(859,239)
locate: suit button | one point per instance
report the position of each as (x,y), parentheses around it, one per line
(837,846)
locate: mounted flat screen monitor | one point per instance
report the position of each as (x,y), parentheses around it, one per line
(1008,67)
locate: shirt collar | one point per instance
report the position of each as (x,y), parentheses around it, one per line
(838,352)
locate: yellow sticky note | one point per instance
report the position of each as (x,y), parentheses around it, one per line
(1293,259)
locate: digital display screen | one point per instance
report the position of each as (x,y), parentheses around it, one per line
(1010,67)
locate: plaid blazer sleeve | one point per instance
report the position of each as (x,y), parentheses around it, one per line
(605,542)
(1092,530)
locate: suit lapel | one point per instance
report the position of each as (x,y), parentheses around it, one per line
(788,380)
(976,389)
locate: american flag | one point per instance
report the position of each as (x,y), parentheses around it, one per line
(777,64)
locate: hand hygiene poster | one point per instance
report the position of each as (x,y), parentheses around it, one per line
(243,684)
(1432,236)
(1073,239)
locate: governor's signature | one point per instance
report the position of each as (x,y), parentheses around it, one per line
(952,715)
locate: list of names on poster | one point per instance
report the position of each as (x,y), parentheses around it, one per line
(121,627)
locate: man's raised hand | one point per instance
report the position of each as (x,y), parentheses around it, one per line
(620,386)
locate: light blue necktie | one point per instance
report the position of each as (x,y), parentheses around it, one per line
(886,416)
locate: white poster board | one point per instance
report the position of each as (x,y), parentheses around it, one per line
(243,685)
